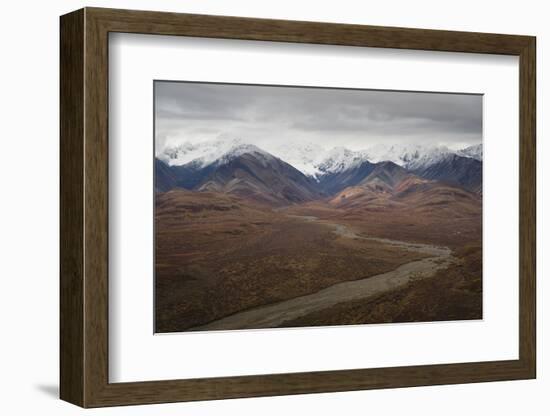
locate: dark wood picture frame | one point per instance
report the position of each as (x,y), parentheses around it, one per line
(84,207)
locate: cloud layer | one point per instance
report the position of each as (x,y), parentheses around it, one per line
(357,119)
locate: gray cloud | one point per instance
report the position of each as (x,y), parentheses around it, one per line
(356,118)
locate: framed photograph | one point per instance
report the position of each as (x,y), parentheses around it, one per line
(255,207)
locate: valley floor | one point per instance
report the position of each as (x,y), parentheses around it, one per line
(225,263)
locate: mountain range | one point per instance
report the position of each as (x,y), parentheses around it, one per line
(297,173)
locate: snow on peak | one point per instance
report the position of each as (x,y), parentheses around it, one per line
(310,158)
(410,156)
(204,154)
(304,156)
(339,159)
(241,149)
(474,152)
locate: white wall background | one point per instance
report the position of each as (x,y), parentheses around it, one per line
(29,210)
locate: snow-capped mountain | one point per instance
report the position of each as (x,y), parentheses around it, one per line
(455,169)
(200,155)
(312,159)
(238,169)
(304,156)
(340,159)
(412,156)
(475,152)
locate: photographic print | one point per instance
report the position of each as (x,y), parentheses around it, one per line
(290,206)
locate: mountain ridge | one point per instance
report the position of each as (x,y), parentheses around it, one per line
(249,171)
(312,159)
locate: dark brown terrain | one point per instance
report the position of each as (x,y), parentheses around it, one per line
(218,254)
(394,247)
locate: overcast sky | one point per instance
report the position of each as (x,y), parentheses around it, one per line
(357,119)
